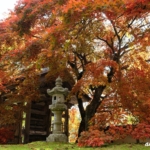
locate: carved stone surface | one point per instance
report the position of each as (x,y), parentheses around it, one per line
(58,94)
(57,138)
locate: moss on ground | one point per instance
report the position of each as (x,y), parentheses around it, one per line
(63,146)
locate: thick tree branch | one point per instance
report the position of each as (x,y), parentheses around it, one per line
(92,107)
(110,45)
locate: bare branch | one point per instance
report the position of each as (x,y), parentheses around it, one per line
(111,46)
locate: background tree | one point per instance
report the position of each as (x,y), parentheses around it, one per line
(103,44)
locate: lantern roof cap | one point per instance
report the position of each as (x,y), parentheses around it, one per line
(58,89)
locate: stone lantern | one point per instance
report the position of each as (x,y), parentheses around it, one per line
(58,94)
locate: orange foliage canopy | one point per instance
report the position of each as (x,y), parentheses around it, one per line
(104,45)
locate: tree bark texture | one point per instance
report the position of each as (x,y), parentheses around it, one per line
(86,115)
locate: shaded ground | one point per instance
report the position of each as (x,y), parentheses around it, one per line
(62,146)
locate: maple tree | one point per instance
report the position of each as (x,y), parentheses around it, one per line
(104,45)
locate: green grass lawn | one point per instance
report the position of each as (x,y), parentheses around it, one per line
(62,146)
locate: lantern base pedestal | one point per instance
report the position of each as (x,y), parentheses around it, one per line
(57,138)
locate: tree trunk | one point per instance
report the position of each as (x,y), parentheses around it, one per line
(82,113)
(87,114)
(92,107)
